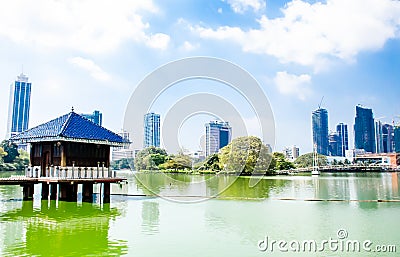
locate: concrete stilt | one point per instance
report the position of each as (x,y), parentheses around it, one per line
(106,193)
(45,191)
(87,192)
(53,191)
(28,191)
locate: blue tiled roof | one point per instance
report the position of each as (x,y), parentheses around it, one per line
(71,126)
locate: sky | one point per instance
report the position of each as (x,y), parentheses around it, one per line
(92,55)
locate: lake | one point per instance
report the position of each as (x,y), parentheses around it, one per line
(159,214)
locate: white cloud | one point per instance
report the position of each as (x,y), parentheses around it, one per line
(88,65)
(158,41)
(315,34)
(219,10)
(187,46)
(90,26)
(298,85)
(241,6)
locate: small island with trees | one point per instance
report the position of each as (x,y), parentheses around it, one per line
(243,156)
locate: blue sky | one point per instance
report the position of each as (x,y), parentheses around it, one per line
(91,55)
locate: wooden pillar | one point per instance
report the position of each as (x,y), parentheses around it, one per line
(87,192)
(45,191)
(63,155)
(53,191)
(106,190)
(27,190)
(31,154)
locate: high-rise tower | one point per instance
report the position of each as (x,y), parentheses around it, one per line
(343,133)
(364,129)
(218,135)
(19,105)
(151,130)
(320,131)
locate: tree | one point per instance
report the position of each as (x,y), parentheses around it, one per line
(306,160)
(281,162)
(211,163)
(2,154)
(347,162)
(150,158)
(11,149)
(178,162)
(245,155)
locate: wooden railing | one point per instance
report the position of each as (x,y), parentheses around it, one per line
(70,172)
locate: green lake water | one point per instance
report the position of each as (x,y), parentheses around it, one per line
(193,215)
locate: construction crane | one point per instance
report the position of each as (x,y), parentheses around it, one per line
(320,103)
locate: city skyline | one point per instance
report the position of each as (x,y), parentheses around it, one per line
(326,51)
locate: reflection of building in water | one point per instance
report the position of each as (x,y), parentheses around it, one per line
(65,229)
(395,184)
(331,189)
(150,217)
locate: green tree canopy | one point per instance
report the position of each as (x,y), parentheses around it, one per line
(245,155)
(210,163)
(11,149)
(306,160)
(150,158)
(2,154)
(281,162)
(178,162)
(19,163)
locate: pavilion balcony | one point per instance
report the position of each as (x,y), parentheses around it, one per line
(70,172)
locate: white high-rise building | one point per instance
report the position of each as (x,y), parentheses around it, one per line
(151,130)
(19,106)
(218,135)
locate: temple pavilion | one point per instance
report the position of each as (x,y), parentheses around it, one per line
(68,151)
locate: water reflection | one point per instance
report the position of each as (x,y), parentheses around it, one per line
(335,186)
(150,217)
(57,226)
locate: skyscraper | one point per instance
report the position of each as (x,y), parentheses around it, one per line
(320,130)
(19,106)
(387,138)
(397,139)
(334,144)
(151,130)
(364,129)
(378,137)
(96,117)
(343,133)
(218,135)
